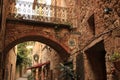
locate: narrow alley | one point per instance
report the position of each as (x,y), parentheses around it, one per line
(22,78)
(25,76)
(59,39)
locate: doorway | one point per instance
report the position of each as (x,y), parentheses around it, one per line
(96,61)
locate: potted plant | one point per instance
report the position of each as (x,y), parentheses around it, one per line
(67,72)
(115,58)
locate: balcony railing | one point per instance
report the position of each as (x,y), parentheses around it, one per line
(39,12)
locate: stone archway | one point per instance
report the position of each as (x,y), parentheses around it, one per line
(20,31)
(56,46)
(60,50)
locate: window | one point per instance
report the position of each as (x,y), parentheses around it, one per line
(91,23)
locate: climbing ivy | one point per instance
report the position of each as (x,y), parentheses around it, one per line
(22,54)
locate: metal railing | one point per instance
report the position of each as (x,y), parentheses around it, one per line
(39,12)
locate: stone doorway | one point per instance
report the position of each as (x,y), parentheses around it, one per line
(96,62)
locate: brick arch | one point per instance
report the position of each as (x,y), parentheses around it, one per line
(61,50)
(17,32)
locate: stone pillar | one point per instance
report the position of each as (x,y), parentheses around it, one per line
(2,33)
(87,71)
(54,64)
(1,58)
(0,65)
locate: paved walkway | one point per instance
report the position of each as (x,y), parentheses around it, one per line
(24,77)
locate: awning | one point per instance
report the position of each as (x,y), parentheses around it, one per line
(38,65)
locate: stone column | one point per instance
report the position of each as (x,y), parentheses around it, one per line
(55,61)
(1,57)
(0,65)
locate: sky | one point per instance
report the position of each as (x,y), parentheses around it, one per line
(48,2)
(21,8)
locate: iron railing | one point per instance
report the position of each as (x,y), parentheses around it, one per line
(39,12)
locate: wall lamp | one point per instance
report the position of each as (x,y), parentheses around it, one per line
(107,10)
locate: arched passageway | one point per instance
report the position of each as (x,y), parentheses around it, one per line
(61,52)
(54,31)
(56,46)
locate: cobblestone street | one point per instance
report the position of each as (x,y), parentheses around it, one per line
(24,77)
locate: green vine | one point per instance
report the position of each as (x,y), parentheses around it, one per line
(115,57)
(22,54)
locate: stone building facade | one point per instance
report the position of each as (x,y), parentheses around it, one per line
(94,36)
(99,25)
(51,60)
(10,65)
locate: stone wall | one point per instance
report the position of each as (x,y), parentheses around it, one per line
(98,20)
(10,66)
(46,54)
(2,33)
(93,21)
(96,24)
(55,60)
(112,45)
